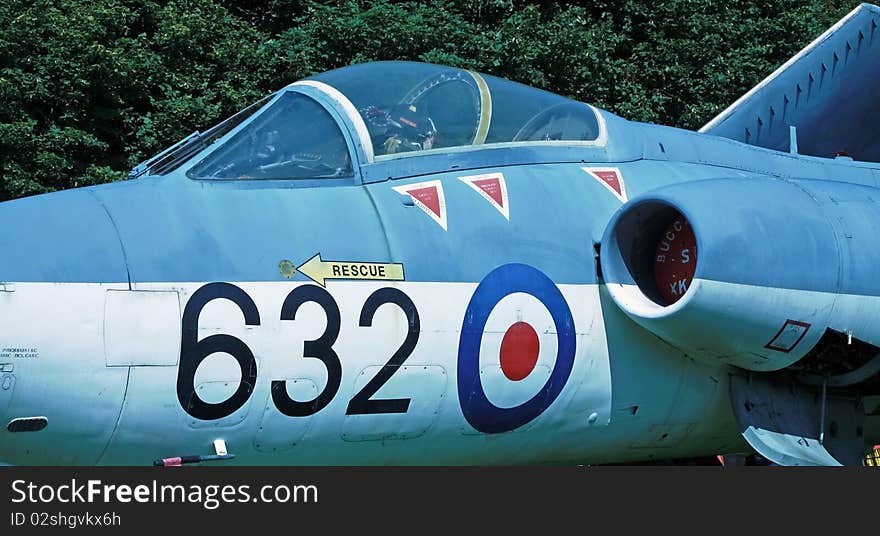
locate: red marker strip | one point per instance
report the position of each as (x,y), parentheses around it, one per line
(177,461)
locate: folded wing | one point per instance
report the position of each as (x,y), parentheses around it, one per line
(828,92)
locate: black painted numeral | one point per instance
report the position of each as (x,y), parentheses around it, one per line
(362,403)
(194,351)
(321,348)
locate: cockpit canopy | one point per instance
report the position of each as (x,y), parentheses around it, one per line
(393,109)
(410,106)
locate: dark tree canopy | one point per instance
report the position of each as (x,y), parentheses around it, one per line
(88,88)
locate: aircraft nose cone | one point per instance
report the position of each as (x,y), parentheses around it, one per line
(60,237)
(59,254)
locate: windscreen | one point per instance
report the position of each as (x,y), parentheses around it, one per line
(294,138)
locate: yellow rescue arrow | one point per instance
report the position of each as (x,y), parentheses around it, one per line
(319,270)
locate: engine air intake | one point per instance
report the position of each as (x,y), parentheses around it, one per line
(719,271)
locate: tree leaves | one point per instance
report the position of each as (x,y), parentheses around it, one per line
(88,88)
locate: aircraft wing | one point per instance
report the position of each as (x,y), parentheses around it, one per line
(827,92)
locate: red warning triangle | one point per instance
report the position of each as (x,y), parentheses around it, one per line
(611,178)
(429,197)
(492,188)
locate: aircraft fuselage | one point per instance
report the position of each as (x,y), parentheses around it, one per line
(148,318)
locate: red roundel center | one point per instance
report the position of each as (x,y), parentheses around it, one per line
(675,260)
(519,351)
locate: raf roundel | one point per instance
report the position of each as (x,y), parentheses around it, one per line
(519,351)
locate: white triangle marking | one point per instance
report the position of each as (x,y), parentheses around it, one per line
(592,171)
(439,218)
(504,207)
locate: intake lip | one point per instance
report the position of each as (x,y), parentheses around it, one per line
(629,255)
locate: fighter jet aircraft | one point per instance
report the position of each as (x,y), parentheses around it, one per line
(405,263)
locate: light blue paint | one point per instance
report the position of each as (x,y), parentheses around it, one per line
(175,228)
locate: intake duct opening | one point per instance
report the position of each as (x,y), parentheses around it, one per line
(658,248)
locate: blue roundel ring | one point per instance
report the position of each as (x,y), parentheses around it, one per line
(482,414)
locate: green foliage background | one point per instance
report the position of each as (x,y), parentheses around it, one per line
(88,88)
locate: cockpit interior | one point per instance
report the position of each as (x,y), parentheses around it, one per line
(390,109)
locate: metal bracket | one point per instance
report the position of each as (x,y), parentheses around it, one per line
(220,453)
